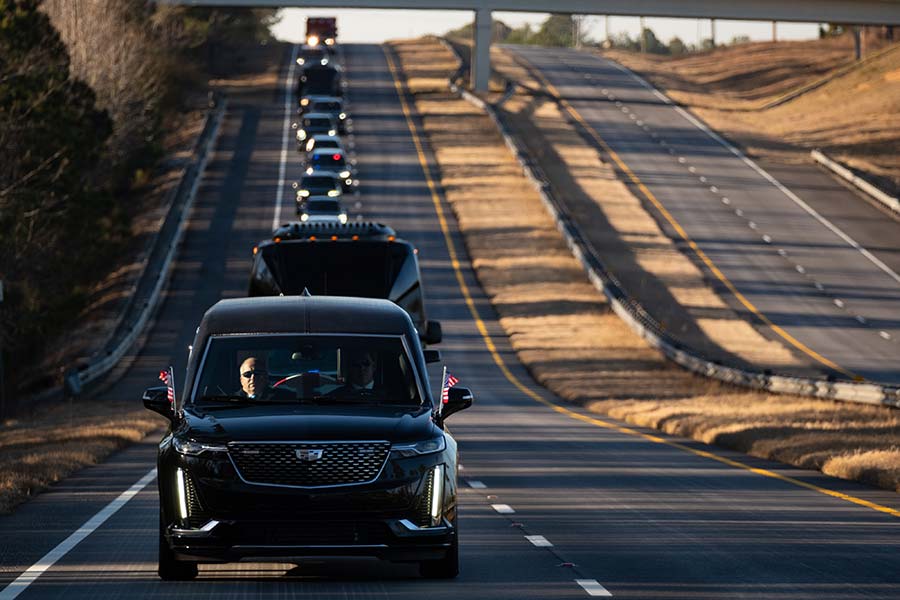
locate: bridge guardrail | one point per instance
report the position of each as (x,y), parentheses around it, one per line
(640,321)
(845,173)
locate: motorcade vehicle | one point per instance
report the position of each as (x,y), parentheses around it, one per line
(361,259)
(320,80)
(311,124)
(311,55)
(331,105)
(321,209)
(322,140)
(321,30)
(326,160)
(317,184)
(306,426)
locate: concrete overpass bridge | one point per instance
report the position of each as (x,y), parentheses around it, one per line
(855,12)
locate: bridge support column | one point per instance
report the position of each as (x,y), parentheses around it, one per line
(481,55)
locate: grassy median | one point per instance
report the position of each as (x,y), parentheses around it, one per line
(565,334)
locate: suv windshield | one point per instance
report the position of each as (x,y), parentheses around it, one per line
(317,123)
(323,206)
(328,107)
(312,369)
(318,183)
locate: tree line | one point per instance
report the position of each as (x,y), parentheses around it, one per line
(86,90)
(567,31)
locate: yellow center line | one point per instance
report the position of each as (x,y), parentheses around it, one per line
(501,364)
(683,234)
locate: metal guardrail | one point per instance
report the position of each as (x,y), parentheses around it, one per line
(640,321)
(863,185)
(148,289)
(184,196)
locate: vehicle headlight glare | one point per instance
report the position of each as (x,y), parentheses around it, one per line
(342,116)
(301,134)
(418,448)
(334,193)
(437,494)
(192,448)
(303,193)
(345,174)
(182,493)
(304,217)
(342,218)
(332,132)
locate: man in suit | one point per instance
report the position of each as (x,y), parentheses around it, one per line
(360,374)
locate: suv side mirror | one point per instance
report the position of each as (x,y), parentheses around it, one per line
(432,356)
(157,400)
(433,333)
(458,399)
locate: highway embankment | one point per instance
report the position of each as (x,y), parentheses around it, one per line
(563,330)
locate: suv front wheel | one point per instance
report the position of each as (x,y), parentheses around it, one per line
(444,568)
(170,568)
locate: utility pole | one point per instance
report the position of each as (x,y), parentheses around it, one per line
(712,32)
(643,37)
(774,31)
(608,40)
(857,42)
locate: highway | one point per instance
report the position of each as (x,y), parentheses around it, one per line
(555,503)
(794,252)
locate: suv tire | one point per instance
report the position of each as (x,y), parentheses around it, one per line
(170,568)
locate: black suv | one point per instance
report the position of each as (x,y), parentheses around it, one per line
(307,428)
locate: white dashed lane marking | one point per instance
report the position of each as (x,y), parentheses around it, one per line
(539,541)
(476,485)
(593,587)
(503,509)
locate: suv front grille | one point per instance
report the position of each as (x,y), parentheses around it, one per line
(309,464)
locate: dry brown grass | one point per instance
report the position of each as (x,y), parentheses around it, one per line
(727,87)
(39,451)
(565,334)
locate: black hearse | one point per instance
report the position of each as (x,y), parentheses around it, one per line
(339,449)
(351,259)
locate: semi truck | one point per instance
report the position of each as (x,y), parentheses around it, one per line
(321,30)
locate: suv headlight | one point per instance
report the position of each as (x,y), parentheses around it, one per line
(344,174)
(192,448)
(418,448)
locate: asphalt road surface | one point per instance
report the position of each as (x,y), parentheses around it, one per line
(554,503)
(817,266)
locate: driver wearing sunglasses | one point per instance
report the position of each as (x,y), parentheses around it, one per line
(255,382)
(360,373)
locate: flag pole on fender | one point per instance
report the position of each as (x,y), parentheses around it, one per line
(168,378)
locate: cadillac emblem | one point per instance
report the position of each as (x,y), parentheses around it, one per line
(308,455)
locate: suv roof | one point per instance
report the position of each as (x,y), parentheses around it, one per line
(318,115)
(364,230)
(306,314)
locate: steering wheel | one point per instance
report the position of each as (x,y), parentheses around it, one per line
(322,379)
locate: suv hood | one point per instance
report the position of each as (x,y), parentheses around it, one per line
(309,423)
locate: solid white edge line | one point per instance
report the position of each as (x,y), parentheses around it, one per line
(288,96)
(763,173)
(478,485)
(37,569)
(593,587)
(539,541)
(503,509)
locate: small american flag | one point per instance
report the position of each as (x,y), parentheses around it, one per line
(168,378)
(448,382)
